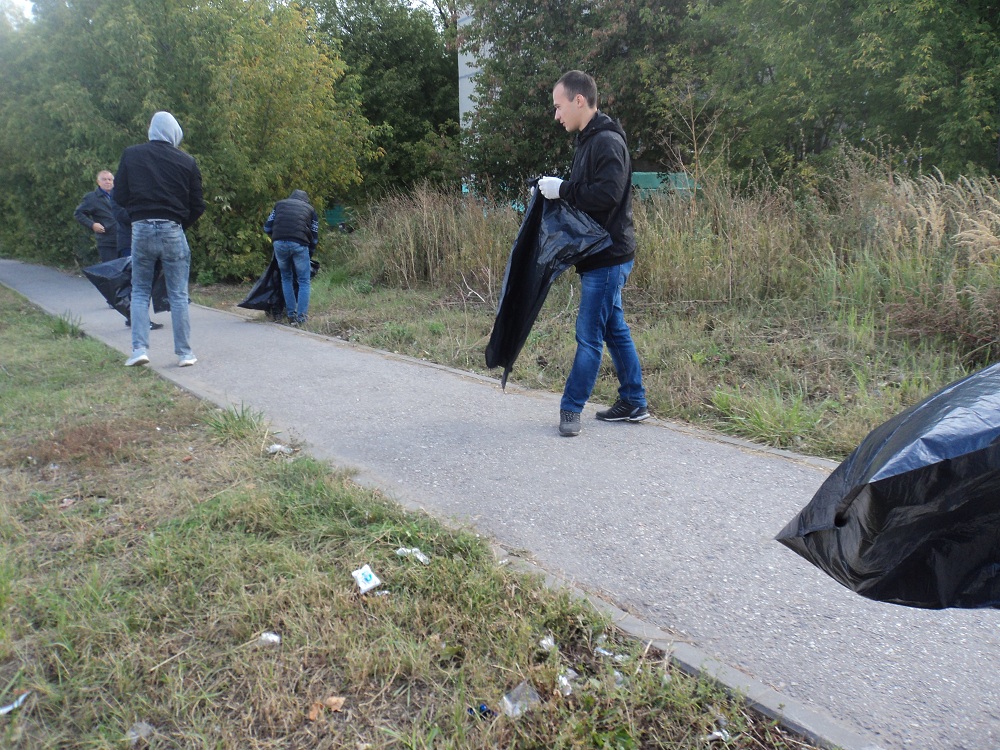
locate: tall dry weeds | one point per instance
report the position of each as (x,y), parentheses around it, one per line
(865,240)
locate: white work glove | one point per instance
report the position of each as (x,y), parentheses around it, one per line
(549,187)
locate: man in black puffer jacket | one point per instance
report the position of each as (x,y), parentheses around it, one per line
(293,226)
(600,184)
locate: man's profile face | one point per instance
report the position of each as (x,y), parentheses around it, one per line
(106,181)
(569,112)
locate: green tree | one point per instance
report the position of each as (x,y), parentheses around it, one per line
(264,108)
(791,77)
(522,48)
(782,73)
(936,64)
(408,79)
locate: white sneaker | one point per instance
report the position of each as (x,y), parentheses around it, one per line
(186,361)
(137,358)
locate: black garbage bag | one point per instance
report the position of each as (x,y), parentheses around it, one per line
(113,279)
(912,516)
(267,295)
(553,236)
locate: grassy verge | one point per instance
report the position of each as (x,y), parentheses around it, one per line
(149,541)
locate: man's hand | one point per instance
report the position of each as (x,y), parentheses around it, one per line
(98,228)
(549,186)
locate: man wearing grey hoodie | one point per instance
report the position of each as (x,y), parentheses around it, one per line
(293,226)
(159,186)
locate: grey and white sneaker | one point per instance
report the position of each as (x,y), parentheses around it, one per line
(137,358)
(187,360)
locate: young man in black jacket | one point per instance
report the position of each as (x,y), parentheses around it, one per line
(600,184)
(159,186)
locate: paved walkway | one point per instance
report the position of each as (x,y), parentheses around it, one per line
(671,524)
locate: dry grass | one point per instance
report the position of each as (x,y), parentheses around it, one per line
(148,541)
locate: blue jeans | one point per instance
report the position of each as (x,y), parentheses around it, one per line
(293,262)
(601,320)
(160,240)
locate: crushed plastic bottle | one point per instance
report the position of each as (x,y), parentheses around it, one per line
(564,681)
(548,643)
(270,639)
(275,448)
(520,700)
(366,579)
(414,552)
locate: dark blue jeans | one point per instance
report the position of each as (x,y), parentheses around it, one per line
(601,321)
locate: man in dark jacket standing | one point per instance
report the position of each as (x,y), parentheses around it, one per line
(293,226)
(600,185)
(159,186)
(96,214)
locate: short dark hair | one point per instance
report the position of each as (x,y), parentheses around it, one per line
(577,82)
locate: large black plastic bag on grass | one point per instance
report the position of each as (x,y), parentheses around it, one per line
(113,279)
(912,516)
(553,236)
(267,294)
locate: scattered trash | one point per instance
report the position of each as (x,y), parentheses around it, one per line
(414,552)
(365,578)
(279,448)
(520,700)
(482,712)
(382,593)
(270,639)
(66,502)
(548,643)
(564,681)
(187,458)
(619,679)
(16,704)
(719,735)
(139,731)
(334,703)
(602,652)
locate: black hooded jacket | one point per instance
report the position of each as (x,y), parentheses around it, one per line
(600,185)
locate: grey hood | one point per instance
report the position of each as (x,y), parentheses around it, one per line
(299,195)
(163,127)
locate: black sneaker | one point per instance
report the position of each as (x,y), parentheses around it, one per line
(155,326)
(623,411)
(569,423)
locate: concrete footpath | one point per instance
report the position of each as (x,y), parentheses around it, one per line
(671,525)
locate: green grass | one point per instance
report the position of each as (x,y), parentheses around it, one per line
(148,540)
